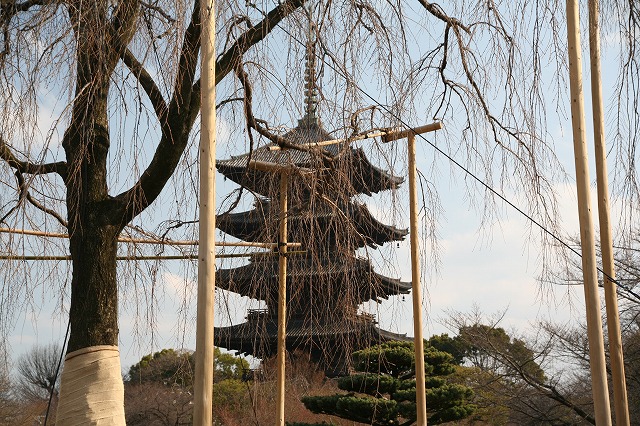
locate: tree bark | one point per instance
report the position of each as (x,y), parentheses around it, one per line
(93,311)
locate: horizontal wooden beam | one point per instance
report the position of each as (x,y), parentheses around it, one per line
(388,135)
(369,135)
(151,241)
(393,136)
(143,258)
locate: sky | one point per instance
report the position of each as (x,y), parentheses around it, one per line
(493,268)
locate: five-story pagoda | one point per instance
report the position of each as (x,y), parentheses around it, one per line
(327,283)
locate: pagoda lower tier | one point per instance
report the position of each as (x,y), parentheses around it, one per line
(329,344)
(327,284)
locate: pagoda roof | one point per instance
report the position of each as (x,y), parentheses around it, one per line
(258,335)
(365,177)
(365,229)
(343,277)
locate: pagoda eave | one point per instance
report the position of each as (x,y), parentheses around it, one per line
(251,225)
(259,280)
(365,177)
(361,330)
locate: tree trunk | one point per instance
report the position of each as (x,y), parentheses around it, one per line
(92,229)
(94,293)
(91,388)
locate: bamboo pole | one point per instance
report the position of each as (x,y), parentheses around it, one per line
(392,136)
(385,133)
(592,298)
(32,232)
(416,290)
(143,258)
(616,357)
(282,299)
(284,171)
(152,241)
(203,384)
(363,136)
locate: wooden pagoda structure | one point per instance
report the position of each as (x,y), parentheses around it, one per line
(327,283)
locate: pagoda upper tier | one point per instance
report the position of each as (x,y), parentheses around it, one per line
(362,176)
(330,284)
(347,224)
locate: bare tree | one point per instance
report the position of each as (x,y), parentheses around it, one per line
(15,407)
(531,378)
(570,349)
(156,404)
(6,405)
(539,375)
(4,374)
(570,343)
(94,51)
(38,372)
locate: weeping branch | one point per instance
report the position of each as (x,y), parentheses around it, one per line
(185,104)
(148,85)
(24,191)
(252,36)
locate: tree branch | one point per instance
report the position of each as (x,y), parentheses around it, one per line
(180,117)
(549,391)
(25,195)
(158,10)
(148,84)
(185,104)
(123,22)
(27,167)
(482,339)
(435,10)
(475,92)
(253,123)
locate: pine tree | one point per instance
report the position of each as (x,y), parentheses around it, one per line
(383,391)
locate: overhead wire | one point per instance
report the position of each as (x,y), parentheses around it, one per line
(53,387)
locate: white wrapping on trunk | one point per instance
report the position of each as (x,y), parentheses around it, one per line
(91,388)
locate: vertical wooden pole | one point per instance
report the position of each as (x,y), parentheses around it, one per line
(592,298)
(416,291)
(282,297)
(616,357)
(203,385)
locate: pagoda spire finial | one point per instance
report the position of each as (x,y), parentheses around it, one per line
(310,88)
